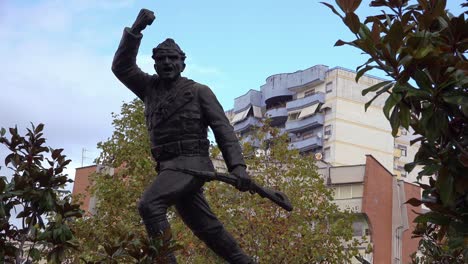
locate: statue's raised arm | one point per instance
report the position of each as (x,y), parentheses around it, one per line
(124,64)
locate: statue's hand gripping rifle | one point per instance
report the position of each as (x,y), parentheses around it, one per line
(277,197)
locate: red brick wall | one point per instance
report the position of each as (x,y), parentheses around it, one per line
(81,184)
(377,205)
(410,245)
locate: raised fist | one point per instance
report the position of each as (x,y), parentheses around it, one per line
(144,18)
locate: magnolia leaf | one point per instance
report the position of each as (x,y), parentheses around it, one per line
(333,9)
(414,202)
(445,185)
(392,100)
(461,100)
(395,36)
(375,87)
(352,21)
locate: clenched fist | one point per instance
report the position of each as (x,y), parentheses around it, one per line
(144,18)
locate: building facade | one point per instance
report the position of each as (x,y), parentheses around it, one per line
(322,110)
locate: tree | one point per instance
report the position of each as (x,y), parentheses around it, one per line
(421,47)
(316,231)
(36,190)
(262,229)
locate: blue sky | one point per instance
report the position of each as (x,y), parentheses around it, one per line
(57,55)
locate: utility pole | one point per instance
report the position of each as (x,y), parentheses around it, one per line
(83,150)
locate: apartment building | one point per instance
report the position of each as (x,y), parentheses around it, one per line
(322,110)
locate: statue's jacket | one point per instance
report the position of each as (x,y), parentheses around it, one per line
(177,115)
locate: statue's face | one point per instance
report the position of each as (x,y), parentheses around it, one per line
(168,64)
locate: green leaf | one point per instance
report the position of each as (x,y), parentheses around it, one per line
(404,116)
(423,80)
(2,132)
(375,87)
(361,72)
(35,254)
(392,100)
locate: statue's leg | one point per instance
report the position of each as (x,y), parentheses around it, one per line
(197,215)
(163,192)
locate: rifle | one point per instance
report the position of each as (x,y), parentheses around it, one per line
(277,197)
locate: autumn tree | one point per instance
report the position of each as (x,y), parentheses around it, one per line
(421,47)
(316,231)
(36,196)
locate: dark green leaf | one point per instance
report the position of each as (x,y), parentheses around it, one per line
(35,254)
(375,87)
(395,121)
(363,71)
(445,185)
(423,80)
(433,217)
(2,132)
(395,36)
(457,100)
(392,100)
(404,116)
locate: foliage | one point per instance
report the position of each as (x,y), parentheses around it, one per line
(316,231)
(37,192)
(421,47)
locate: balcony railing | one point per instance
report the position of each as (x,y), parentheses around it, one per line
(315,120)
(246,123)
(306,101)
(305,144)
(276,112)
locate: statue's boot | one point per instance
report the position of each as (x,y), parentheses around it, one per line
(161,230)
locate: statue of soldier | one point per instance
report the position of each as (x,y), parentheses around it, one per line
(178,112)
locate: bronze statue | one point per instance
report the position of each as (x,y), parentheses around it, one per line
(178,113)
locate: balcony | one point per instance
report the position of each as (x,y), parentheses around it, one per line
(306,101)
(277,115)
(306,144)
(246,123)
(297,125)
(353,204)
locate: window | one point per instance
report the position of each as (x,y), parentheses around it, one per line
(357,191)
(348,191)
(328,130)
(294,116)
(402,149)
(329,87)
(326,153)
(357,228)
(403,131)
(309,92)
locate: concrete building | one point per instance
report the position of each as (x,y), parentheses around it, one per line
(322,110)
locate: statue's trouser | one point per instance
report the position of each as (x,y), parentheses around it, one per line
(185,192)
